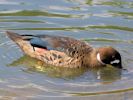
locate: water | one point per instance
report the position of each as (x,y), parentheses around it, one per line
(99,22)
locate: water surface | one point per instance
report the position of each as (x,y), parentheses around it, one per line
(99,22)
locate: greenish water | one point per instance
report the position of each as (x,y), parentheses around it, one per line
(99,22)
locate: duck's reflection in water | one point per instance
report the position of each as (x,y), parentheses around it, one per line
(103,75)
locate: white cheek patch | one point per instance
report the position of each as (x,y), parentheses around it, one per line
(115,61)
(99,59)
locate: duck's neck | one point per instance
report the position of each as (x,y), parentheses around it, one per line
(94,59)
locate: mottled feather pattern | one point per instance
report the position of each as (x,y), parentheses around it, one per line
(64,44)
(70,46)
(64,51)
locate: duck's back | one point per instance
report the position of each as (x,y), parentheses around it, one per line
(55,50)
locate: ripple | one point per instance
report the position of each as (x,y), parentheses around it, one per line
(112,27)
(37,13)
(108,40)
(128,15)
(21,21)
(4,2)
(102,92)
(117,3)
(79,28)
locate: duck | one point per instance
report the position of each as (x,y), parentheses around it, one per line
(64,51)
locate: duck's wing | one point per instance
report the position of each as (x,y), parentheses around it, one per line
(69,46)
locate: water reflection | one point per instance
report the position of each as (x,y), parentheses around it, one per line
(104,75)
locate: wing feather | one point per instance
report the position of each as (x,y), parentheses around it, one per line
(69,46)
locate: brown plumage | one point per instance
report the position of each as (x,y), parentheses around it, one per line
(65,51)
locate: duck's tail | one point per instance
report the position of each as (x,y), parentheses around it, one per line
(14,36)
(21,40)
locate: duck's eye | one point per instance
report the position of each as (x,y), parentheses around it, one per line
(113,56)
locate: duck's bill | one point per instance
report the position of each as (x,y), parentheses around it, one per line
(117,66)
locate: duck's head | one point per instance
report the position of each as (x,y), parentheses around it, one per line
(108,55)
